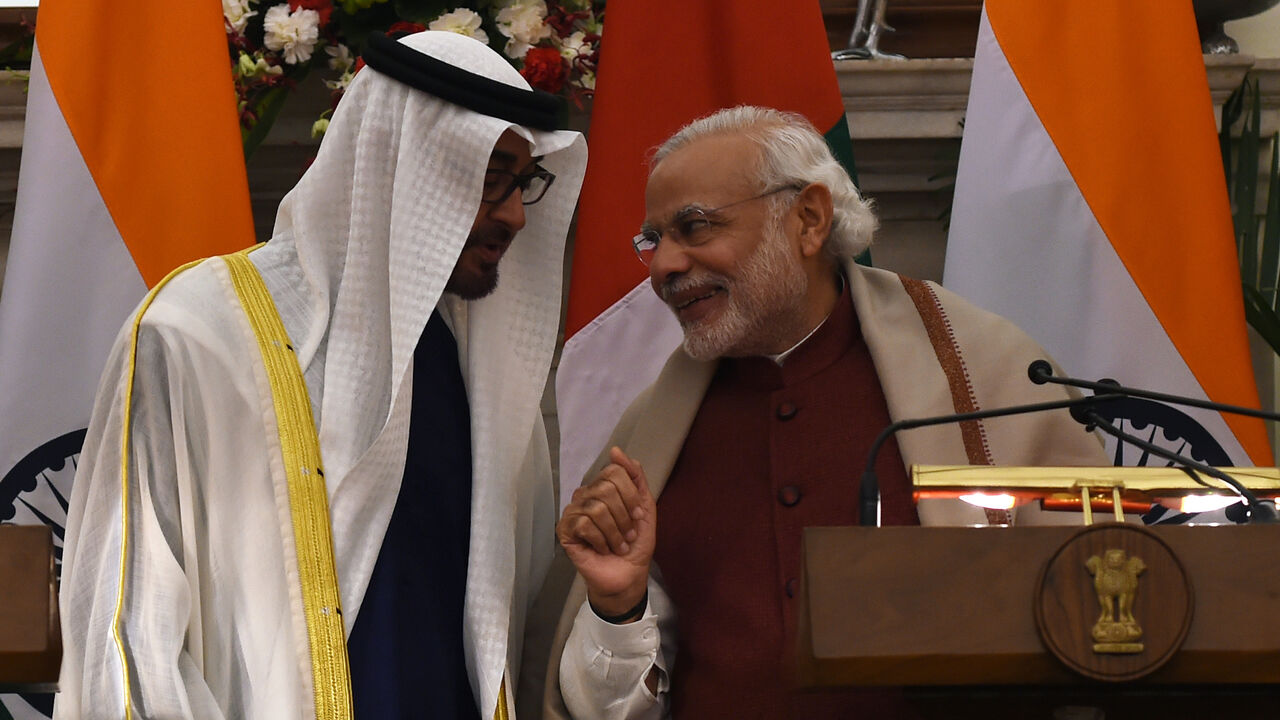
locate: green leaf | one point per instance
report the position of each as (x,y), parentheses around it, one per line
(355,28)
(1246,190)
(267,108)
(423,11)
(1230,114)
(1270,237)
(1271,229)
(1261,317)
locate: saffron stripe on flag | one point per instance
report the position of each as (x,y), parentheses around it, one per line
(127,171)
(1035,234)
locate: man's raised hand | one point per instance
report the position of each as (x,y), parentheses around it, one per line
(609,531)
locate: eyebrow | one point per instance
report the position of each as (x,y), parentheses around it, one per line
(691,207)
(509,159)
(502,156)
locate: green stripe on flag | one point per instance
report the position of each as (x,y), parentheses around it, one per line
(842,147)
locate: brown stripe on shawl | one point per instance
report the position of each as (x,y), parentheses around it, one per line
(938,328)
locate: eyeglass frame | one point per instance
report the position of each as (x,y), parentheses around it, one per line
(647,235)
(521,180)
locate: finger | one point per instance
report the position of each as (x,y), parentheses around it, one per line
(636,473)
(600,505)
(614,474)
(605,517)
(615,488)
(582,531)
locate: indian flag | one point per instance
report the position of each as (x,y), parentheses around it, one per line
(663,64)
(131,166)
(1090,207)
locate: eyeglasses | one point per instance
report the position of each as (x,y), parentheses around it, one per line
(692,226)
(499,184)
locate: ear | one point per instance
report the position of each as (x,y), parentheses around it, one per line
(814,211)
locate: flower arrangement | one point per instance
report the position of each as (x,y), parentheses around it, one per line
(274,44)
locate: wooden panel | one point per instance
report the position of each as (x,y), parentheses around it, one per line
(926,606)
(30,640)
(954,606)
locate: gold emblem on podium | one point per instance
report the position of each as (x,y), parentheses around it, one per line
(1103,565)
(1115,580)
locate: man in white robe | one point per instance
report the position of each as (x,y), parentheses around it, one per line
(750,231)
(180,592)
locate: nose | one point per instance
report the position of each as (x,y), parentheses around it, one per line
(669,258)
(510,212)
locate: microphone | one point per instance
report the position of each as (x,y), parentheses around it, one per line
(869,490)
(1041,372)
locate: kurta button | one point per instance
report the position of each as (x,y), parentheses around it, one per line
(792,586)
(787,410)
(789,495)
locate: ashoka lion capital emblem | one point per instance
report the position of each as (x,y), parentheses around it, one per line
(1115,579)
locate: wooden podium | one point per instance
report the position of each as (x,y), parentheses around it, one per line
(30,635)
(952,613)
(1109,620)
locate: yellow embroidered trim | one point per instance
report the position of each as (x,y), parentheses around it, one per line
(308,497)
(500,712)
(124,483)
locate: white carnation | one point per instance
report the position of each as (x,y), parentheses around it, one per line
(575,45)
(237,13)
(340,57)
(461,21)
(523,21)
(295,33)
(341,83)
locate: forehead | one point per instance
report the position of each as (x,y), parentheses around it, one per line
(511,152)
(707,172)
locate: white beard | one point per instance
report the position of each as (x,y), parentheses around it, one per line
(766,302)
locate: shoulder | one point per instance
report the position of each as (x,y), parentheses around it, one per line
(678,389)
(192,312)
(896,298)
(201,288)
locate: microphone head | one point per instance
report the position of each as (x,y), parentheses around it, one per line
(1084,414)
(1039,371)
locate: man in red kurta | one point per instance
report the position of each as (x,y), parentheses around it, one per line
(794,360)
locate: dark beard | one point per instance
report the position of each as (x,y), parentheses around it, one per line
(470,286)
(473,278)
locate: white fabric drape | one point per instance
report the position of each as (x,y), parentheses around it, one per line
(362,248)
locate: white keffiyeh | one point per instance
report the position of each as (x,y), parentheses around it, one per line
(180,594)
(376,225)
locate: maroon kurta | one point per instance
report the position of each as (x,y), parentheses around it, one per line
(772,450)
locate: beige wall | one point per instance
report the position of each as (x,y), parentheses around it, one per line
(1259,35)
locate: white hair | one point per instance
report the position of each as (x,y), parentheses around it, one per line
(792,151)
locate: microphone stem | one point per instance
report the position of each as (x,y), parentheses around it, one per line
(1107,387)
(869,492)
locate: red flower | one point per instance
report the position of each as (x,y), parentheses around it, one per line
(544,69)
(322,7)
(562,21)
(408,27)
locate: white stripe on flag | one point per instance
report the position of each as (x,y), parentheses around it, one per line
(1024,244)
(69,285)
(603,367)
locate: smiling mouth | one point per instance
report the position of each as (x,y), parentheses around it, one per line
(699,298)
(491,252)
